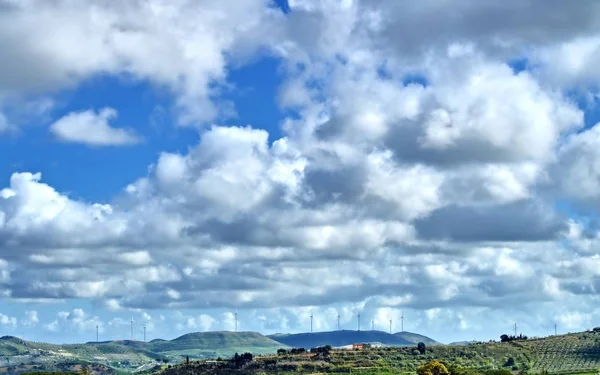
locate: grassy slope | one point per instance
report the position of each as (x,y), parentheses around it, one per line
(195,345)
(216,344)
(415,338)
(215,340)
(565,354)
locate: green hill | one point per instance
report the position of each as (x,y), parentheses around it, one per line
(416,338)
(339,338)
(129,355)
(214,344)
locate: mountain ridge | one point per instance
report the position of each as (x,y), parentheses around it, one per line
(348,337)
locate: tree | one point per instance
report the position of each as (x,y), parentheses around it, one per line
(283,351)
(421,348)
(510,362)
(504,338)
(433,368)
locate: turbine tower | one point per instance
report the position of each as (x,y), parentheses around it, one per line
(236,320)
(97,336)
(515,328)
(132,328)
(555,332)
(372,324)
(144,333)
(358,316)
(390,326)
(402,321)
(311,322)
(338,322)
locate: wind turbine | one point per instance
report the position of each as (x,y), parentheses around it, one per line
(402,321)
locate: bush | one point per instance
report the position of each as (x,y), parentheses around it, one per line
(433,368)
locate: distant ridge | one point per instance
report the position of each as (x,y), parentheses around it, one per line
(196,345)
(347,337)
(214,340)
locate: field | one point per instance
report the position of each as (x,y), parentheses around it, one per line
(566,353)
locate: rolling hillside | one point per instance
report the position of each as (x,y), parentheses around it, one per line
(576,353)
(345,337)
(129,355)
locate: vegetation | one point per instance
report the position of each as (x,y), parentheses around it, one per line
(20,356)
(433,368)
(561,355)
(507,338)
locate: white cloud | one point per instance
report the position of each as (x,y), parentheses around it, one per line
(91,128)
(76,320)
(8,321)
(4,125)
(152,40)
(31,318)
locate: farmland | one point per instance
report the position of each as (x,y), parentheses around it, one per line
(564,354)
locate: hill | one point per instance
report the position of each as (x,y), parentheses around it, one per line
(214,344)
(130,355)
(416,338)
(340,338)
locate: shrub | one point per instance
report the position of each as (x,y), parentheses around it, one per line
(433,368)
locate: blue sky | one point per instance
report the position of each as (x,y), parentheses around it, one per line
(143,107)
(312,156)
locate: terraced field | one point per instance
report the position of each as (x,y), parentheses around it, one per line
(566,353)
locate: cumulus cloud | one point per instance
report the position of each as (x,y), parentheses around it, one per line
(76,320)
(8,321)
(147,40)
(31,318)
(91,128)
(418,173)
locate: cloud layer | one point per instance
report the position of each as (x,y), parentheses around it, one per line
(421,169)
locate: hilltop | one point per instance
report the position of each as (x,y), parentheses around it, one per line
(214,344)
(416,338)
(346,337)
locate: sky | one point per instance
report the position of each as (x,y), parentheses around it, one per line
(173,162)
